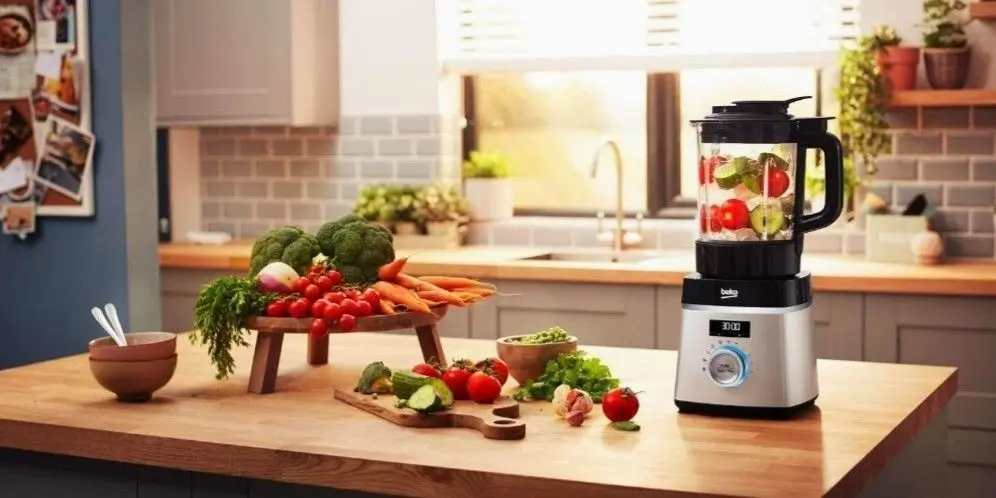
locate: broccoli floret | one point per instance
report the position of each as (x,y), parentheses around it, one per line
(376,378)
(288,244)
(356,247)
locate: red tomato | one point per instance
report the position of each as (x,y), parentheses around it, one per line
(318,308)
(324,283)
(483,388)
(363,308)
(318,327)
(300,284)
(371,296)
(316,268)
(276,309)
(620,404)
(734,214)
(710,220)
(347,323)
(778,182)
(348,306)
(426,369)
(334,297)
(335,277)
(456,379)
(312,292)
(332,312)
(299,308)
(353,294)
(494,367)
(313,276)
(707,168)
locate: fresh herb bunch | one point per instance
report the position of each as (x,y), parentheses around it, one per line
(943,29)
(222,308)
(575,369)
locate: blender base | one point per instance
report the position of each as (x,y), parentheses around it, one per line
(753,412)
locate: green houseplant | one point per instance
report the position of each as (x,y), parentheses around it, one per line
(391,205)
(488,186)
(440,209)
(947,54)
(897,62)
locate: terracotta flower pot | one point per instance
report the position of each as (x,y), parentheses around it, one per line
(947,68)
(899,65)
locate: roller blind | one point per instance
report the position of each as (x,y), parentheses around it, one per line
(524,30)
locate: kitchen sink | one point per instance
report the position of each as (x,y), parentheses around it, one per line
(596,256)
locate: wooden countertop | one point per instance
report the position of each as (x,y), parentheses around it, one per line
(830,273)
(867,412)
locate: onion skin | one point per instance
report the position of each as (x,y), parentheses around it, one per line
(277,277)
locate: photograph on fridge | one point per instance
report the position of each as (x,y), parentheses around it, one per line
(19,218)
(65,157)
(17,147)
(17,48)
(58,90)
(56,24)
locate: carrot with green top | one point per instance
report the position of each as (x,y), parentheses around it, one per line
(453,283)
(400,296)
(390,271)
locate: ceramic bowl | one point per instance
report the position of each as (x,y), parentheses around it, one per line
(528,361)
(142,346)
(134,381)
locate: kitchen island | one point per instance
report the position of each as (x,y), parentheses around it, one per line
(877,428)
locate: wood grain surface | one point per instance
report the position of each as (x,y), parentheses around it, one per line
(830,273)
(493,421)
(865,414)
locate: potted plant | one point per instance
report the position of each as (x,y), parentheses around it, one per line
(862,95)
(441,209)
(897,63)
(946,54)
(487,186)
(390,205)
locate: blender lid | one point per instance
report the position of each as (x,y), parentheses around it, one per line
(753,110)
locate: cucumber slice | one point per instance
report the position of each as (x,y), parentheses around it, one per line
(425,400)
(727,175)
(767,219)
(443,391)
(772,160)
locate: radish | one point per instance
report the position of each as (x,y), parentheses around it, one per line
(277,277)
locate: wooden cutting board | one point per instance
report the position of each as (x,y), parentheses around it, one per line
(495,421)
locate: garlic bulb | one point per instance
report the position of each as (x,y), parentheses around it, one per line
(558,399)
(575,400)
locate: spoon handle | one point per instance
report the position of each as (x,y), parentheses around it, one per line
(102,320)
(112,314)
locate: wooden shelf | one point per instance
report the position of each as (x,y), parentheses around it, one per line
(982,10)
(944,98)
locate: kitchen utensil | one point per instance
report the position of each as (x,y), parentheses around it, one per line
(106,325)
(140,346)
(747,346)
(133,381)
(112,315)
(496,421)
(528,361)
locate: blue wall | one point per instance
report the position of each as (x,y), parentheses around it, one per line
(48,286)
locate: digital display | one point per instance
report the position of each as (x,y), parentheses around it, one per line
(729,328)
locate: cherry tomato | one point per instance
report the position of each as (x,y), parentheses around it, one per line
(347,323)
(494,367)
(299,308)
(276,309)
(348,306)
(334,297)
(707,168)
(318,327)
(332,312)
(323,282)
(313,276)
(316,268)
(335,277)
(312,292)
(427,369)
(710,220)
(371,296)
(353,294)
(300,284)
(456,379)
(483,388)
(778,182)
(734,214)
(620,404)
(363,308)
(318,308)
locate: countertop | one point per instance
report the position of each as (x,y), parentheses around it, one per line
(866,413)
(830,273)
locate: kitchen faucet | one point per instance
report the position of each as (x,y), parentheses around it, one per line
(619,234)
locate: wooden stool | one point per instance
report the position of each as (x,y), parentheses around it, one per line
(270,339)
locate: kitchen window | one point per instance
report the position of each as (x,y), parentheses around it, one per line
(544,87)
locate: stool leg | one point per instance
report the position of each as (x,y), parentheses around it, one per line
(318,350)
(428,340)
(265,362)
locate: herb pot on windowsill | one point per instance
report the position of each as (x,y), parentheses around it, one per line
(947,68)
(490,199)
(442,228)
(899,65)
(406,228)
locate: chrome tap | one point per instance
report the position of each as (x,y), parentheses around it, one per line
(619,232)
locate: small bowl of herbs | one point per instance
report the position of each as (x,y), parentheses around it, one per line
(528,354)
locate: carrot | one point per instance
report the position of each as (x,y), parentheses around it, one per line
(480,291)
(391,270)
(400,295)
(432,304)
(387,307)
(468,297)
(407,281)
(438,294)
(452,283)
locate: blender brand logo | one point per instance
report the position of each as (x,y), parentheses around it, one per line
(728,293)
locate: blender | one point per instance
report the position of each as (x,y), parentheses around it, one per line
(747,346)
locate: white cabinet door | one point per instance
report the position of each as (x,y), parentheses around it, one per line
(222,61)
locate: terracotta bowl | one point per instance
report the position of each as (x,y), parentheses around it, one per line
(134,381)
(142,346)
(528,361)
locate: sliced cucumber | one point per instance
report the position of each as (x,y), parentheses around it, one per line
(425,400)
(773,160)
(727,176)
(443,391)
(767,219)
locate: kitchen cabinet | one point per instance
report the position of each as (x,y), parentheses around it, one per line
(242,62)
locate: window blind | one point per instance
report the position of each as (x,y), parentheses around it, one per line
(557,32)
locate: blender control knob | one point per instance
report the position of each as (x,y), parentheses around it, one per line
(729,366)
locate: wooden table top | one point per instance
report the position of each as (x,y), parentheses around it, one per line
(866,413)
(830,273)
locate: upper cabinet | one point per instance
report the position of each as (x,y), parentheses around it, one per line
(239,62)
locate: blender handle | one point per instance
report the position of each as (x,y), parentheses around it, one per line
(834,189)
